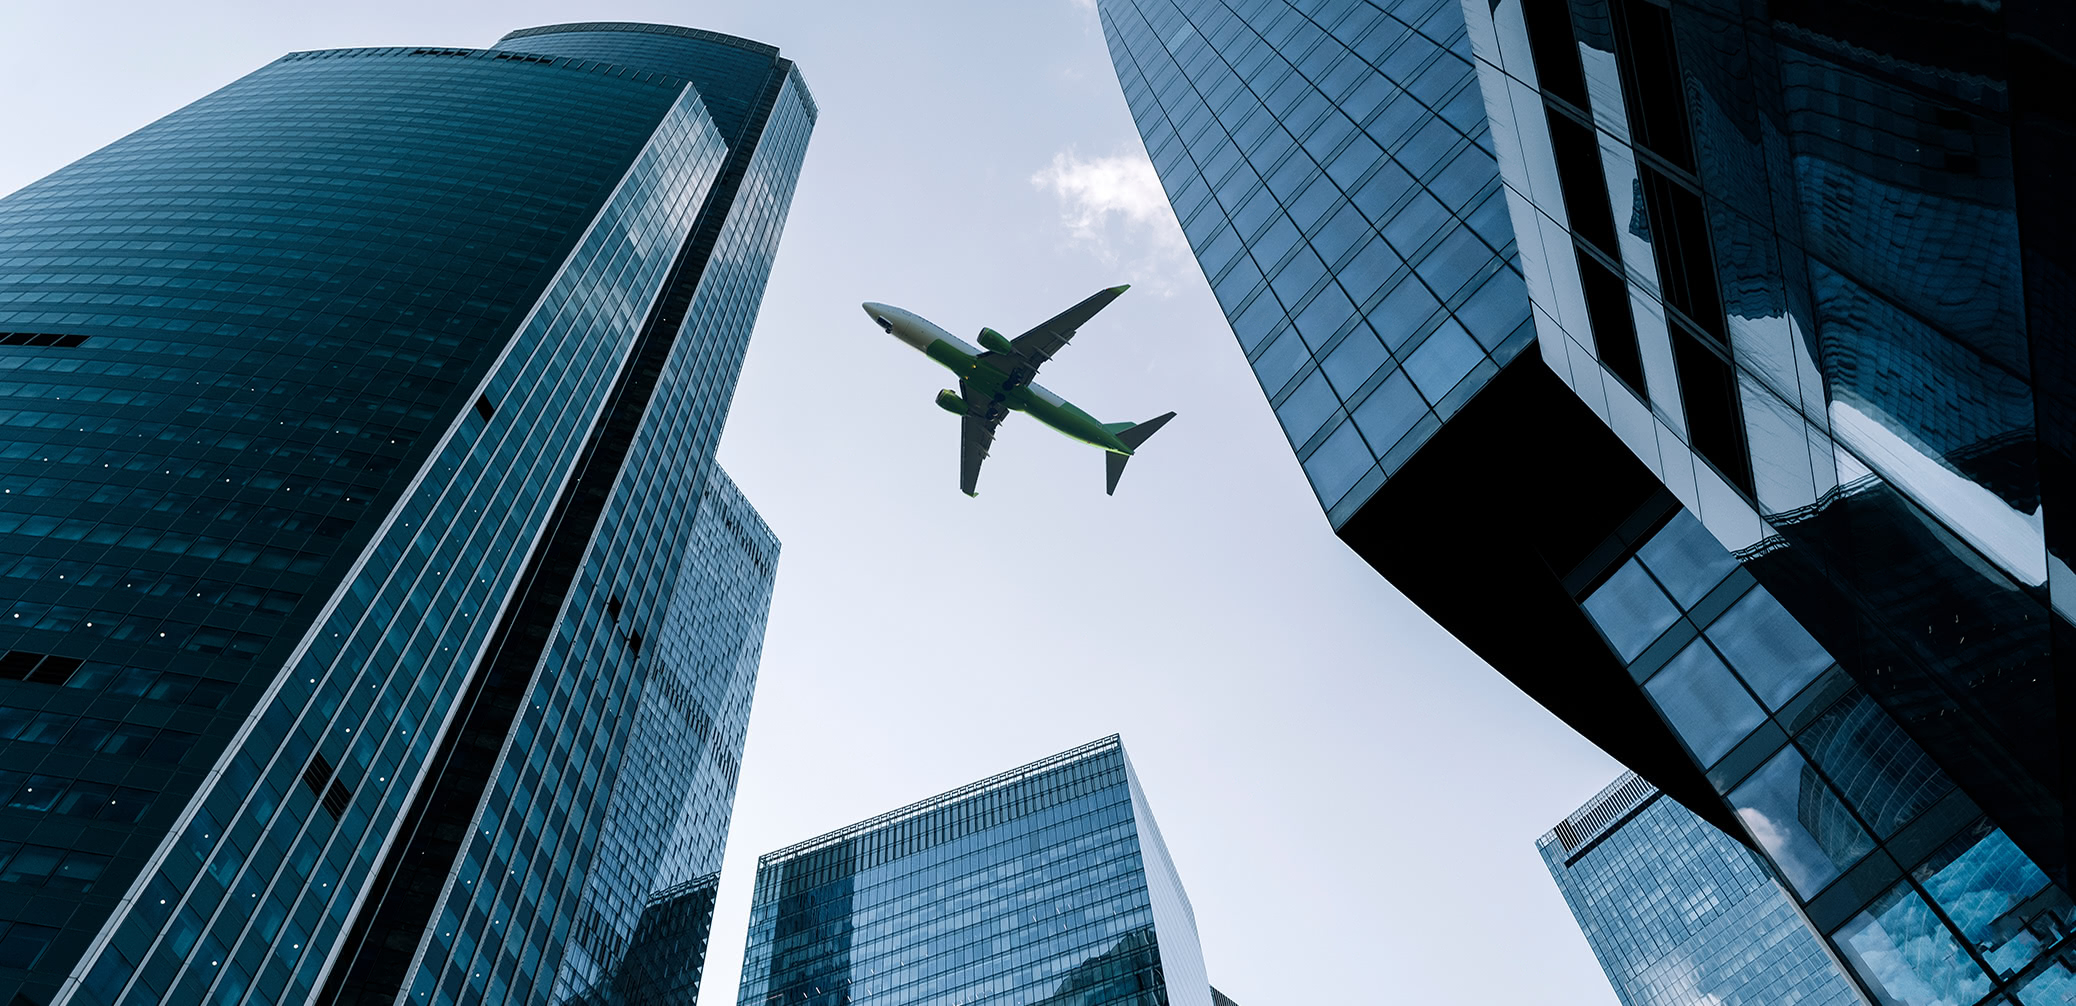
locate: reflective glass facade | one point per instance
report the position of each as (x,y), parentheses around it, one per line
(1046,884)
(1764,513)
(1678,913)
(1330,163)
(1837,257)
(1864,829)
(324,381)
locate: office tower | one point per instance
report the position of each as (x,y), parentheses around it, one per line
(1044,884)
(367,574)
(1335,177)
(1678,913)
(1762,514)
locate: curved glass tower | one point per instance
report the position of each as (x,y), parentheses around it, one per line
(358,509)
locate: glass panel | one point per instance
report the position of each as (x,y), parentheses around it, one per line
(1704,703)
(2055,986)
(1686,559)
(1997,898)
(1338,462)
(1768,647)
(1907,957)
(1875,766)
(1354,360)
(1437,364)
(1630,610)
(1306,410)
(1389,412)
(1803,826)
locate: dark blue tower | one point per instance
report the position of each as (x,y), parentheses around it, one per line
(362,548)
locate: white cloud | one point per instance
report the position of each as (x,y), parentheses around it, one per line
(1116,208)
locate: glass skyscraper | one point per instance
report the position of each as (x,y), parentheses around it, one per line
(1763,513)
(1333,171)
(1047,884)
(376,623)
(1678,913)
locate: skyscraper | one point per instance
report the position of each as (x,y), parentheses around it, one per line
(1678,913)
(364,549)
(1762,513)
(1047,883)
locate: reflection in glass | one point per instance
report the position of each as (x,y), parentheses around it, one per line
(1907,957)
(1768,647)
(1630,610)
(2055,986)
(1686,559)
(1997,897)
(1876,767)
(1804,828)
(1704,703)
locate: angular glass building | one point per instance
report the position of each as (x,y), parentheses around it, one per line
(1762,514)
(1047,884)
(376,623)
(1331,166)
(1678,913)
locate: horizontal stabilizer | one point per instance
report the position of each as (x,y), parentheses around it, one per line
(1137,435)
(1132,436)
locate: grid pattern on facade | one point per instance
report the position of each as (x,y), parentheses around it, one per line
(1330,164)
(1032,887)
(661,631)
(1822,259)
(1940,904)
(1677,913)
(293,298)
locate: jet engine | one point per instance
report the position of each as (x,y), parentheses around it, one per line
(993,342)
(949,401)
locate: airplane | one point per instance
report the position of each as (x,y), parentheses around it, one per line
(995,380)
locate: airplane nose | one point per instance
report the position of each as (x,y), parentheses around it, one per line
(878,315)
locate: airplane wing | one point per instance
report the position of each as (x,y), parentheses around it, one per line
(1040,344)
(976,434)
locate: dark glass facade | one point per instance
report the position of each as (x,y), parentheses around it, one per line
(1763,515)
(1332,169)
(1678,913)
(356,408)
(1841,257)
(1046,884)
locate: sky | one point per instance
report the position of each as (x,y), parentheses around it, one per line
(1351,798)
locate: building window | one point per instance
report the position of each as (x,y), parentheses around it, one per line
(1614,328)
(1651,83)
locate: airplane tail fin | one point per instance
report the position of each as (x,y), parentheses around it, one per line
(1133,434)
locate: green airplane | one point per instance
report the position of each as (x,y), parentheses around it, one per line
(995,380)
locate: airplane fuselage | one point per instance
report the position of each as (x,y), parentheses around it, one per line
(985,380)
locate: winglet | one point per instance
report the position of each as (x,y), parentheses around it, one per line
(1114,464)
(1121,288)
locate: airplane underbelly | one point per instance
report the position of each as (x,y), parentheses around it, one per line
(1049,409)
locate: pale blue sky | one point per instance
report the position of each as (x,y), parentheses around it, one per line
(1352,799)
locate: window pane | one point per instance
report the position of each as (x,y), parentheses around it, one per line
(1704,703)
(1306,410)
(1335,466)
(1389,412)
(1876,767)
(1630,610)
(1768,647)
(1907,957)
(1354,360)
(1686,559)
(1804,827)
(2055,986)
(1982,880)
(1437,364)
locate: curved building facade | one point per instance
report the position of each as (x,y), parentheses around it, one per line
(359,433)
